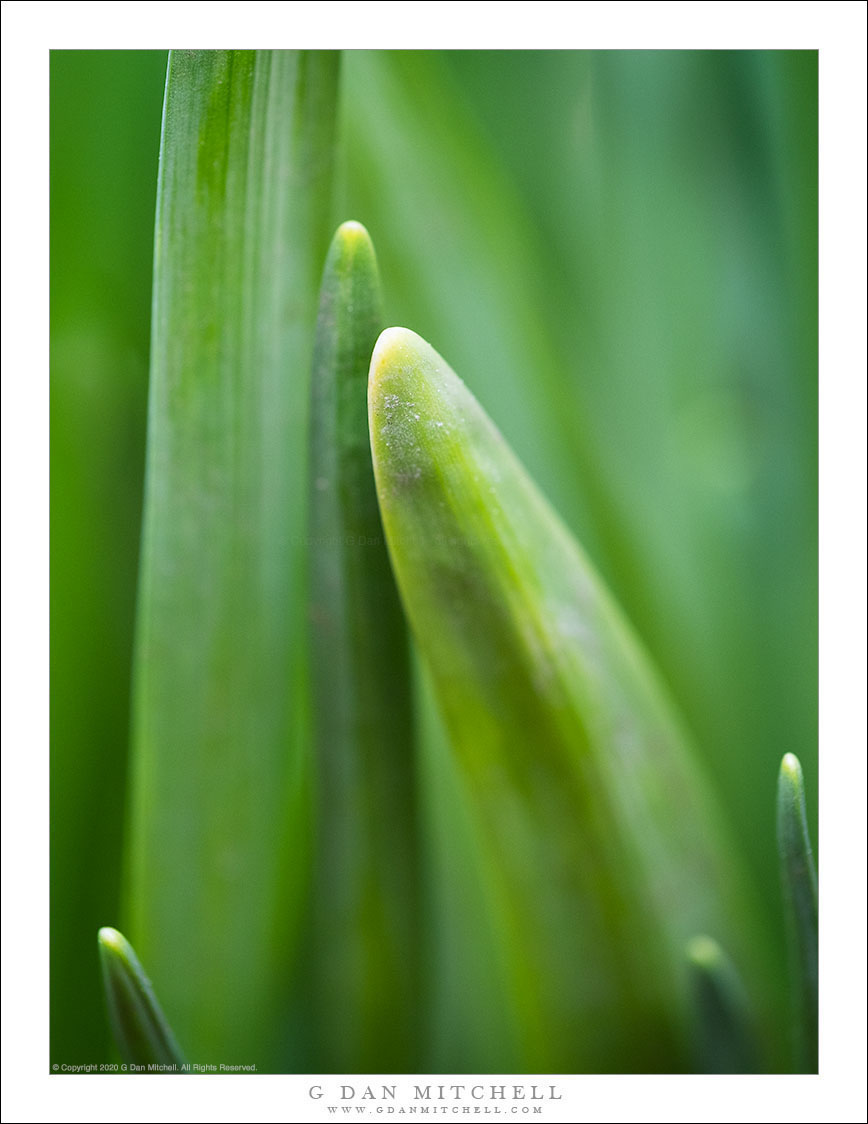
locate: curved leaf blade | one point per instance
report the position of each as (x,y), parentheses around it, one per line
(605,849)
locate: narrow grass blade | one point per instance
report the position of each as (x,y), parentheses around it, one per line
(724,1039)
(604,850)
(141,1031)
(219,858)
(366,931)
(799,879)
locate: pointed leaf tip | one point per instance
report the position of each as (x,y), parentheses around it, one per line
(799,883)
(724,1041)
(111,939)
(793,840)
(791,769)
(350,241)
(394,349)
(141,1031)
(704,953)
(352,231)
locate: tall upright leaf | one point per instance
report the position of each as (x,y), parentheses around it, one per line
(367,885)
(604,850)
(217,856)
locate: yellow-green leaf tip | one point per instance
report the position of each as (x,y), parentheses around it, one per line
(352,230)
(351,249)
(791,769)
(705,953)
(351,238)
(111,940)
(412,392)
(116,952)
(394,346)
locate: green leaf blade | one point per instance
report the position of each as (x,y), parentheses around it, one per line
(219,860)
(724,1039)
(368,876)
(799,882)
(140,1028)
(566,740)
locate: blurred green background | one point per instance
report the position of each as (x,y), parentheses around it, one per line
(618,252)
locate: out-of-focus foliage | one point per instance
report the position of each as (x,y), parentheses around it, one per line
(105,137)
(618,251)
